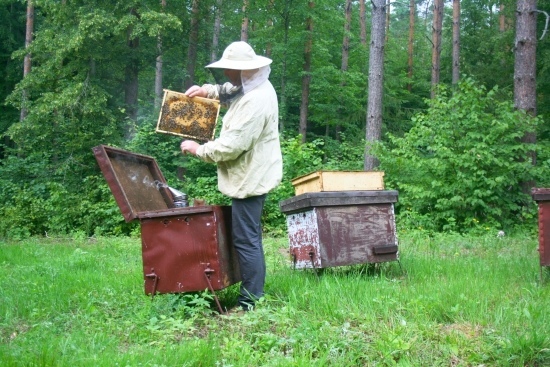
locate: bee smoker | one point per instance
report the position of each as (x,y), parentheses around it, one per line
(180,198)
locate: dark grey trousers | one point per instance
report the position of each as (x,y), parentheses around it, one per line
(247,239)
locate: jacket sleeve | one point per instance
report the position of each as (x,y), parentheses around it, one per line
(241,129)
(214,89)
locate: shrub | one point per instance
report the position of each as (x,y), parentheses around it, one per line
(463,162)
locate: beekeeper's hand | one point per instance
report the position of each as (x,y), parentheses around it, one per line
(189,146)
(196,91)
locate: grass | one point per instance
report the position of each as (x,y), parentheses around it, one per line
(451,301)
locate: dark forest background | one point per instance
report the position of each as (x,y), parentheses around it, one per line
(454,149)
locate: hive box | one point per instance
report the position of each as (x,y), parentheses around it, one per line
(327,229)
(321,181)
(184,249)
(542,197)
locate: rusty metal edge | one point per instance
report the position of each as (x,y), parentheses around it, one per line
(176,211)
(540,194)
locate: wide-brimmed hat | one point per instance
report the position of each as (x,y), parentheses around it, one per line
(240,56)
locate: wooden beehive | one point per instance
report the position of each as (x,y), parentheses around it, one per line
(337,228)
(321,181)
(193,118)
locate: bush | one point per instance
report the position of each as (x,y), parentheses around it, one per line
(463,163)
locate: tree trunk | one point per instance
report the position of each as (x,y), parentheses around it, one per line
(244,26)
(525,68)
(216,32)
(345,41)
(436,43)
(131,83)
(412,17)
(269,46)
(283,105)
(193,44)
(306,78)
(158,67)
(345,55)
(387,21)
(376,81)
(501,19)
(456,41)
(27,60)
(363,22)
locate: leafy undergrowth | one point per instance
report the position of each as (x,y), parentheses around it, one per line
(451,300)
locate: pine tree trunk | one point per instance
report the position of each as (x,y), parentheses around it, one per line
(363,22)
(193,44)
(244,26)
(436,43)
(306,79)
(412,17)
(131,82)
(269,46)
(525,69)
(376,81)
(387,21)
(456,41)
(283,105)
(345,54)
(216,32)
(501,19)
(27,60)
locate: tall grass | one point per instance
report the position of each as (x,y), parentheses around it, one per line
(450,301)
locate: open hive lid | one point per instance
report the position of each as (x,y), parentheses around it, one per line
(193,118)
(132,179)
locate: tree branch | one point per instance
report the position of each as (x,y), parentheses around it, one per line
(546,23)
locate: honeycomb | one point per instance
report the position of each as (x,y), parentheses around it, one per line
(193,118)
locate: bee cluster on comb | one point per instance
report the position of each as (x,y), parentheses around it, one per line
(193,118)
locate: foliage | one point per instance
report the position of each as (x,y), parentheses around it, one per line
(463,161)
(77,99)
(46,207)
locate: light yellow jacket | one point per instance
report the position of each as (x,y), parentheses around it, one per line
(248,151)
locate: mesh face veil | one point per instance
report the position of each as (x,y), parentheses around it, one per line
(225,96)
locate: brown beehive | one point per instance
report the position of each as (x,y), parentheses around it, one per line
(193,118)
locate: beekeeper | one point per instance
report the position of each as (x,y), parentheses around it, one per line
(247,154)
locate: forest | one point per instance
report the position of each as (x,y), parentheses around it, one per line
(455,135)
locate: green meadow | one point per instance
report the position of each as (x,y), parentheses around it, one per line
(451,300)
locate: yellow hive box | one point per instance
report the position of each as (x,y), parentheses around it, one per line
(339,181)
(193,118)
